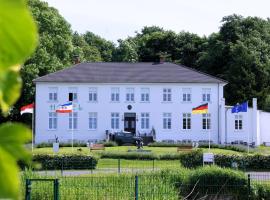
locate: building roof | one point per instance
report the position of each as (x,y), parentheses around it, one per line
(111,72)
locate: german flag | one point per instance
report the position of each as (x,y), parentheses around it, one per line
(202,109)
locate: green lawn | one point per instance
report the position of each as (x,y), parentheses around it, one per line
(156,150)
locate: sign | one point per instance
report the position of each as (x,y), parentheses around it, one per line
(55,147)
(208,158)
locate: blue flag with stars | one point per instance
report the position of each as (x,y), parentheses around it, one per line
(240,108)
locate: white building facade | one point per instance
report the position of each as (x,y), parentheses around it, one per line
(140,97)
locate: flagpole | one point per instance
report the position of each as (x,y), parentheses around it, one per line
(208,130)
(33,130)
(248,132)
(72,118)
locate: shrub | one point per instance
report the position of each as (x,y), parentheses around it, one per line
(165,144)
(191,159)
(57,162)
(109,144)
(260,191)
(128,155)
(61,144)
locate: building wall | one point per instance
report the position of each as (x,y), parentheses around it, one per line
(264,127)
(104,107)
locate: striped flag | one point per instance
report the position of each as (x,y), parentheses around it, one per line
(202,109)
(27,108)
(65,108)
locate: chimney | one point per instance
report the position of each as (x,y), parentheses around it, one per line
(76,59)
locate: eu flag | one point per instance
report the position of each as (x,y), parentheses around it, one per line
(240,108)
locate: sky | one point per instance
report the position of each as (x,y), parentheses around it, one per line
(114,19)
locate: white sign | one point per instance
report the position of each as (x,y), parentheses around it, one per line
(55,147)
(208,158)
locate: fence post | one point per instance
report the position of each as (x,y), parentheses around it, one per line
(153,164)
(249,189)
(119,166)
(62,166)
(136,188)
(56,189)
(28,189)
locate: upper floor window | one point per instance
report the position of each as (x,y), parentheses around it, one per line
(186,121)
(206,121)
(167,120)
(145,120)
(115,120)
(92,120)
(73,94)
(238,122)
(93,94)
(52,120)
(73,121)
(206,95)
(186,94)
(167,94)
(115,94)
(130,95)
(145,95)
(53,94)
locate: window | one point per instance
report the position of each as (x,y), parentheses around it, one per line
(93,94)
(115,94)
(73,117)
(238,122)
(92,120)
(53,94)
(52,120)
(130,95)
(206,95)
(115,120)
(167,120)
(206,121)
(186,121)
(73,94)
(145,120)
(186,95)
(145,94)
(167,94)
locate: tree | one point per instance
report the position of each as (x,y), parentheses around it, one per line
(126,51)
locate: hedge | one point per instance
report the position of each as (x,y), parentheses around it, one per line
(58,162)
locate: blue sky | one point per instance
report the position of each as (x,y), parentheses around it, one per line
(114,19)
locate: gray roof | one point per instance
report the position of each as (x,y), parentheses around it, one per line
(110,72)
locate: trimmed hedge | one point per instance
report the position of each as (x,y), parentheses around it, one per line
(75,144)
(57,162)
(128,155)
(165,144)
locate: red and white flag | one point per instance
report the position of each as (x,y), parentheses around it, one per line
(27,109)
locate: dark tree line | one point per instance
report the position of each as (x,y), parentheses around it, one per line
(239,53)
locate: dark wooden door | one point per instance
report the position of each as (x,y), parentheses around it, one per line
(130,122)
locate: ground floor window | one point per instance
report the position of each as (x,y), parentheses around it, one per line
(145,120)
(238,122)
(73,121)
(92,120)
(206,121)
(115,120)
(186,125)
(52,120)
(167,120)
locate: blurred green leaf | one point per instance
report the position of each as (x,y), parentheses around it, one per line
(18,34)
(10,87)
(12,139)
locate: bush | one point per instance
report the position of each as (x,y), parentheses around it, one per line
(192,159)
(260,191)
(61,144)
(110,144)
(128,155)
(57,162)
(165,144)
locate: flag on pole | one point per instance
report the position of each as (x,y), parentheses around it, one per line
(27,109)
(202,109)
(240,107)
(65,108)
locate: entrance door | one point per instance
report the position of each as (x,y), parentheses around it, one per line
(130,122)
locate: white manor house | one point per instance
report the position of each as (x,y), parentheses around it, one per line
(140,97)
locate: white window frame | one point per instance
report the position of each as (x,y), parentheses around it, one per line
(206,95)
(93,94)
(73,121)
(145,121)
(92,121)
(167,121)
(53,94)
(186,95)
(130,95)
(52,123)
(238,122)
(115,120)
(115,94)
(74,91)
(206,118)
(145,95)
(167,95)
(186,121)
